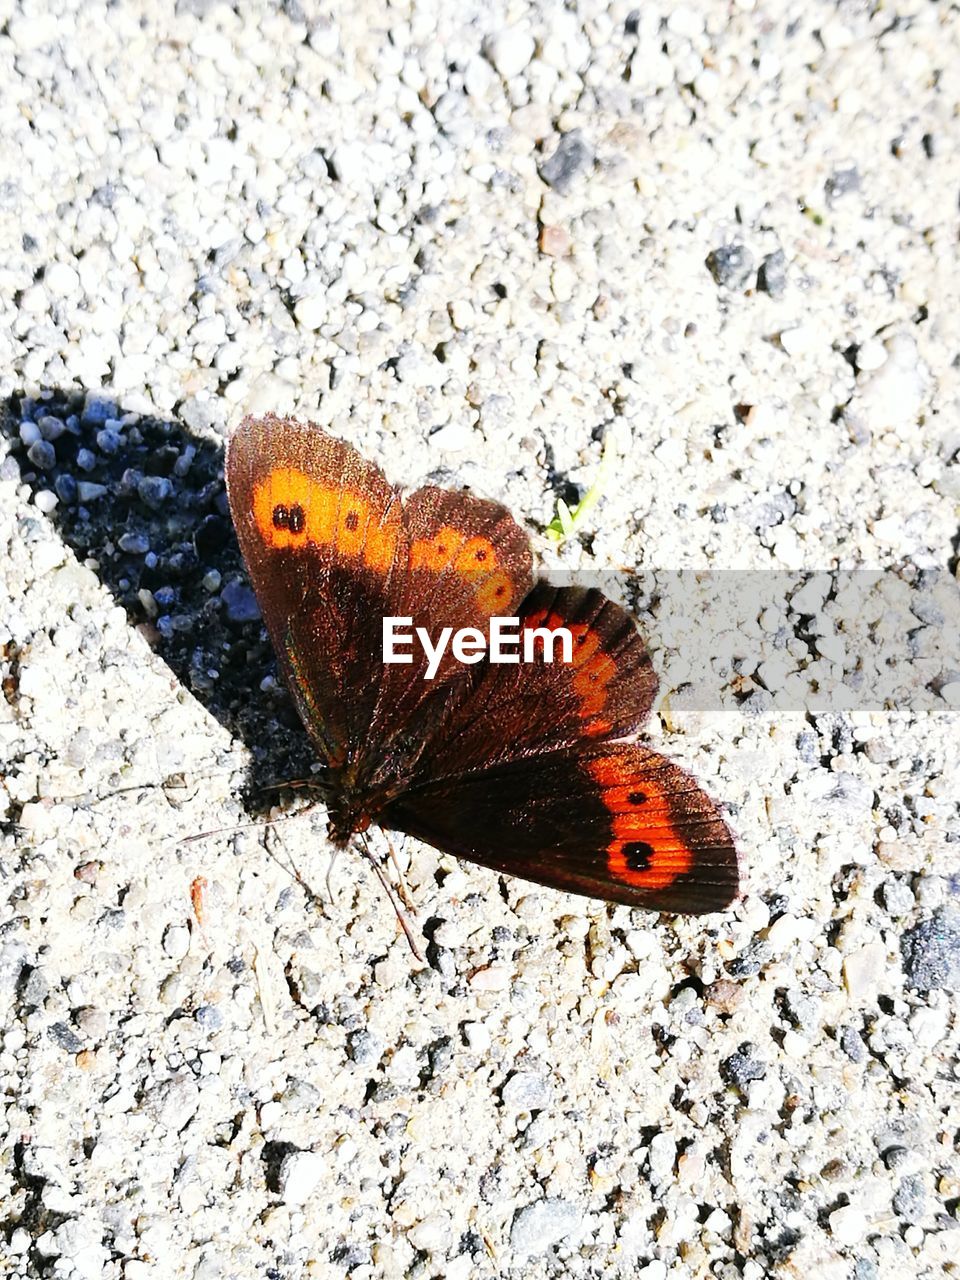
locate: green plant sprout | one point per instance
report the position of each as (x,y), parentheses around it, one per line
(567,520)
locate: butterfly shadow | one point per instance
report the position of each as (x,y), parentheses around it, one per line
(141,500)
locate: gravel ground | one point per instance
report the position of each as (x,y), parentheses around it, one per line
(478,241)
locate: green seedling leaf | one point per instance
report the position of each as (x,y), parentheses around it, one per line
(567,521)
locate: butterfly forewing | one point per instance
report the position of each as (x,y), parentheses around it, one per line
(321,532)
(466,560)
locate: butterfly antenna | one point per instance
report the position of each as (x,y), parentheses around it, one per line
(284,783)
(388,890)
(244,826)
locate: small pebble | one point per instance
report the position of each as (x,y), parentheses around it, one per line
(841,183)
(731,265)
(176,941)
(89,491)
(311,311)
(42,454)
(300,1174)
(772,276)
(931,952)
(909,1199)
(742,1067)
(865,971)
(209,1017)
(154,491)
(240,603)
(526,1091)
(852,1044)
(510,51)
(554,242)
(571,159)
(799,340)
(542,1224)
(848,1225)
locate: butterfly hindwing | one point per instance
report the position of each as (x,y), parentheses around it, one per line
(509,710)
(618,822)
(529,772)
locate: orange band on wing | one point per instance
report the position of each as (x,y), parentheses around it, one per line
(594,669)
(646,850)
(472,559)
(291,509)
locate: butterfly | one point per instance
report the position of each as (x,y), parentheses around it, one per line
(533,769)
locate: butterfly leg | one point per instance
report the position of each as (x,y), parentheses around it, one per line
(388,890)
(403,892)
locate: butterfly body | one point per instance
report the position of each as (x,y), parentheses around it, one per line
(533,769)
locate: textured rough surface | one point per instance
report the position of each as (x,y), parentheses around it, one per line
(479,241)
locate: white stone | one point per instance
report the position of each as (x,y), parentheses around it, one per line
(27,33)
(61,280)
(176,941)
(891,395)
(324,38)
(685,21)
(769,65)
(300,1174)
(454,437)
(510,50)
(477,1037)
(462,314)
(889,530)
(45,500)
(293,267)
(928,1026)
(848,1225)
(20,1241)
(832,648)
(403,1067)
(871,355)
(311,311)
(432,1234)
(211,329)
(798,340)
(864,971)
(707,84)
(350,164)
(655,1270)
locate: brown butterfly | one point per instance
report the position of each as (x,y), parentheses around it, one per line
(530,768)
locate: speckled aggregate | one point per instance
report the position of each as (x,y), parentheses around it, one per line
(478,241)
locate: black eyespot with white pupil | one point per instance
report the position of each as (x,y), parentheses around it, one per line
(293,518)
(637,855)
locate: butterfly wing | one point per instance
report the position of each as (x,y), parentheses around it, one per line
(331,551)
(321,532)
(505,711)
(529,773)
(617,822)
(466,559)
